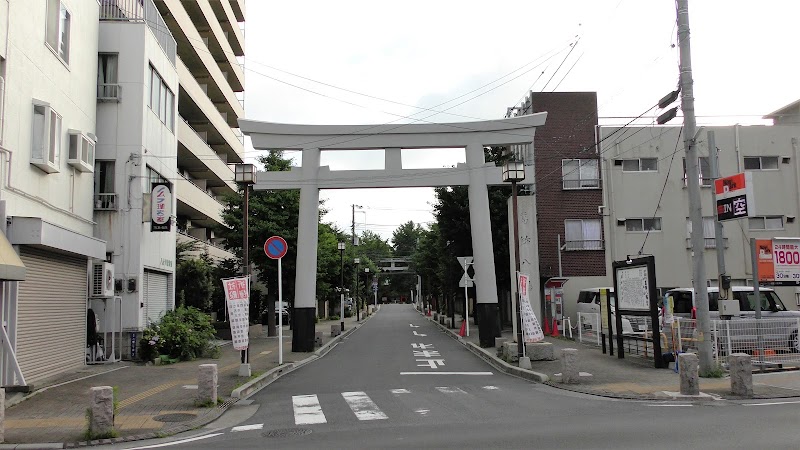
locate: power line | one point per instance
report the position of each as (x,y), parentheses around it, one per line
(663,188)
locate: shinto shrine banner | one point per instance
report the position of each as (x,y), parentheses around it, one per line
(237,298)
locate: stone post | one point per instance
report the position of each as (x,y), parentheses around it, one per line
(207,384)
(498,345)
(2,415)
(688,365)
(569,365)
(741,374)
(102,409)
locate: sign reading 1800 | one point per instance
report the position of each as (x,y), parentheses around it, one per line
(779,261)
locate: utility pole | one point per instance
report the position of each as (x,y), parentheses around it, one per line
(693,184)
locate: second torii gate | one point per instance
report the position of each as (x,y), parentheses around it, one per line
(477,174)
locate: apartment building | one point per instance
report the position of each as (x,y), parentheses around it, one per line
(48,61)
(646,206)
(560,224)
(210,47)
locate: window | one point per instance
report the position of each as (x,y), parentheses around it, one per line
(704,174)
(105,197)
(153,177)
(583,234)
(45,138)
(81,151)
(640,165)
(643,225)
(162,100)
(709,234)
(108,88)
(580,174)
(760,163)
(766,223)
(58,22)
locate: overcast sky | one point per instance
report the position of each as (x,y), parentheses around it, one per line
(308,61)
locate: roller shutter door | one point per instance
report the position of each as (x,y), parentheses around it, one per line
(156,295)
(51,320)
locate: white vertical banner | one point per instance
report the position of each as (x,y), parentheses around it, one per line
(237,297)
(532,331)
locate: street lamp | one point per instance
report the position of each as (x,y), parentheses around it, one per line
(341,282)
(355,291)
(514,171)
(245,174)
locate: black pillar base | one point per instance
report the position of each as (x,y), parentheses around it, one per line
(486,315)
(303,329)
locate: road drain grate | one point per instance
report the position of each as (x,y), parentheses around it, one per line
(287,432)
(176,417)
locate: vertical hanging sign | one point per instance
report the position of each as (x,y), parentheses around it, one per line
(530,325)
(237,298)
(160,207)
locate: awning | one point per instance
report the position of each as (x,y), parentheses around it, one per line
(11,267)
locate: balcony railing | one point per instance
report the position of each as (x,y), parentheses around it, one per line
(591,183)
(584,245)
(105,202)
(141,11)
(107,92)
(707,242)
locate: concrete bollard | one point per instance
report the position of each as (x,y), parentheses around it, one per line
(335,330)
(498,344)
(690,379)
(102,411)
(207,378)
(540,351)
(2,415)
(510,352)
(741,374)
(318,338)
(569,365)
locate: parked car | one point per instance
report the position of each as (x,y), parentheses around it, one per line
(589,303)
(780,334)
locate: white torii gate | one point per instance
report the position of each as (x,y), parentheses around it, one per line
(477,174)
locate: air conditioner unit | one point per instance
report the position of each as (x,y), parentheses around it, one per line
(102,281)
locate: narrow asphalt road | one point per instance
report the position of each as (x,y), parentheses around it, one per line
(399,382)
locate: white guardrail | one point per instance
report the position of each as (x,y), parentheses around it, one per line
(772,341)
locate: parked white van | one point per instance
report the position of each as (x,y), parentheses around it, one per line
(783,336)
(589,303)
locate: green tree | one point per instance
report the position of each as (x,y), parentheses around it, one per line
(194,283)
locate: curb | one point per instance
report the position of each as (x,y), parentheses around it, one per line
(491,359)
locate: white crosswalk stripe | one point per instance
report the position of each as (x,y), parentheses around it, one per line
(307,410)
(256,426)
(363,407)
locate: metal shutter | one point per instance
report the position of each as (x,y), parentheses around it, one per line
(51,320)
(156,295)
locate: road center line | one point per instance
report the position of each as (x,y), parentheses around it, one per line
(447,373)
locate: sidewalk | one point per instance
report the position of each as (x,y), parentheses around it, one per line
(633,377)
(154,401)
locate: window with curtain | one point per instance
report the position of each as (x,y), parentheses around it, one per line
(104,191)
(709,234)
(580,174)
(58,29)
(107,86)
(583,234)
(704,171)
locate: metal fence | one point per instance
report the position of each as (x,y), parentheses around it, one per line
(589,328)
(769,342)
(138,11)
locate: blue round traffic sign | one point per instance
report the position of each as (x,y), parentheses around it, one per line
(275,247)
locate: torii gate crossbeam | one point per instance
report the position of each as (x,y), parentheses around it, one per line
(310,178)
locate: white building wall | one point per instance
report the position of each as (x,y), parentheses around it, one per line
(34,71)
(636,195)
(134,136)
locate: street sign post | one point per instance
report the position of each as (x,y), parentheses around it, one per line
(276,248)
(466,282)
